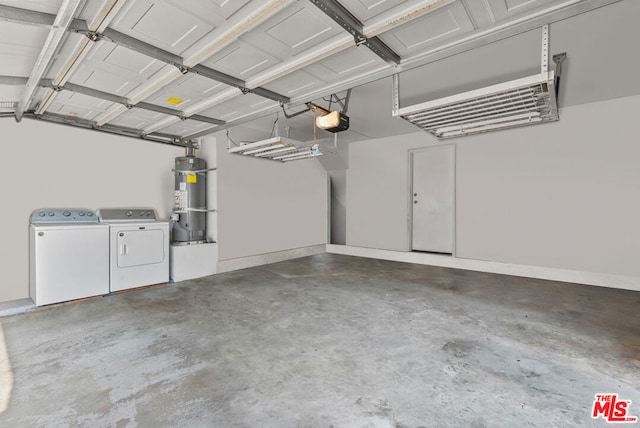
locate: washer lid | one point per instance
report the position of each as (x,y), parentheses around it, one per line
(118,215)
(63,215)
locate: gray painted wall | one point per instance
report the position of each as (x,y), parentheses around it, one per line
(47,165)
(267,206)
(562,195)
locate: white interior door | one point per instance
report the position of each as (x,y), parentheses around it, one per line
(433,195)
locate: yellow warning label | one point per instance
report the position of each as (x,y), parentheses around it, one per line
(174,100)
(192,178)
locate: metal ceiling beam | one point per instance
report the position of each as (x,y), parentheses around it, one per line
(173,140)
(25,16)
(212,74)
(206,119)
(13,80)
(160,109)
(246,119)
(95,93)
(32,17)
(351,24)
(52,43)
(265,93)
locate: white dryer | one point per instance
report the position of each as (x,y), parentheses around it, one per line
(138,247)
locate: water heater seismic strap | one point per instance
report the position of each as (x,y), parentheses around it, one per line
(198,210)
(194,171)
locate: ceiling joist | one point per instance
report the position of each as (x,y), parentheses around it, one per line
(351,24)
(95,93)
(173,140)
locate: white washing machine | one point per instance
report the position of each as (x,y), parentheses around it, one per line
(138,247)
(68,256)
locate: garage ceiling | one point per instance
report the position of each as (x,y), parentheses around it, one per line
(175,70)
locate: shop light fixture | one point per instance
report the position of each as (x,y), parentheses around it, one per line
(291,155)
(244,148)
(263,149)
(274,152)
(307,156)
(277,148)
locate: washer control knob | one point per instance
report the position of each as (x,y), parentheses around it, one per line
(66,213)
(42,213)
(129,213)
(81,213)
(148,213)
(89,213)
(51,213)
(141,213)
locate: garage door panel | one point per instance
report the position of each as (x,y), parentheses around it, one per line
(430,30)
(167,25)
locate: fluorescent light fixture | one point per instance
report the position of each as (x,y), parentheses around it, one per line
(262,149)
(495,126)
(519,102)
(278,149)
(243,148)
(274,152)
(307,156)
(291,155)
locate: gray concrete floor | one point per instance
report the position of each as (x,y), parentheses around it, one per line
(328,341)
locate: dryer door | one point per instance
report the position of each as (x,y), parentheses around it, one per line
(140,247)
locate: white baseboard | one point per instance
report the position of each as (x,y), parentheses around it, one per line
(265,259)
(14,307)
(538,272)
